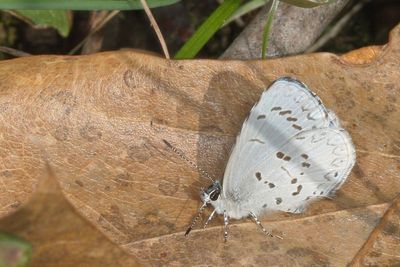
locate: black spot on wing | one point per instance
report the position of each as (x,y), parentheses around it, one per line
(287,158)
(299,187)
(284,112)
(261,117)
(297,127)
(276,108)
(306,165)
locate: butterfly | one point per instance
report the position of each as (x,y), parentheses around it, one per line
(290,151)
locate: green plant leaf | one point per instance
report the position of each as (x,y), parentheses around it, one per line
(245,8)
(81,4)
(267,28)
(14,251)
(308,3)
(58,19)
(207,29)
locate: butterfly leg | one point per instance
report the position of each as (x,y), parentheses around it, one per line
(226,222)
(209,218)
(196,218)
(254,217)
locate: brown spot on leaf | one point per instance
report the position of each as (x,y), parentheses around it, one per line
(258,176)
(139,153)
(294,181)
(6,173)
(90,132)
(271,185)
(61,133)
(78,182)
(278,200)
(129,79)
(280,155)
(291,119)
(276,108)
(168,188)
(123,179)
(305,156)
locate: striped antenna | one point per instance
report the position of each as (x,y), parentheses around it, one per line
(191,163)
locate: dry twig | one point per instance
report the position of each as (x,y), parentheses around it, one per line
(156,28)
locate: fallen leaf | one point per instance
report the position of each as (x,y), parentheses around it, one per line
(59,236)
(383,245)
(97,122)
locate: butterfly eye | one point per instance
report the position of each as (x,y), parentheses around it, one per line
(214,194)
(213,191)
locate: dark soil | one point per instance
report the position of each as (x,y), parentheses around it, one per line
(131,29)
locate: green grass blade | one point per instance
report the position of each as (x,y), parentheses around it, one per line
(245,8)
(82,4)
(58,19)
(267,28)
(212,24)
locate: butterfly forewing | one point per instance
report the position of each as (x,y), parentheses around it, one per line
(287,130)
(285,109)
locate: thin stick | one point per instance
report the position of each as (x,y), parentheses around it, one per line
(337,27)
(156,28)
(94,30)
(13,52)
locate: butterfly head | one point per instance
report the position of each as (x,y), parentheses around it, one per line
(212,192)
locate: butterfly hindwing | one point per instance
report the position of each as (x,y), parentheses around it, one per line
(311,164)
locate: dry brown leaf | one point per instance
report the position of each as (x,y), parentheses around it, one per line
(98,122)
(383,245)
(59,236)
